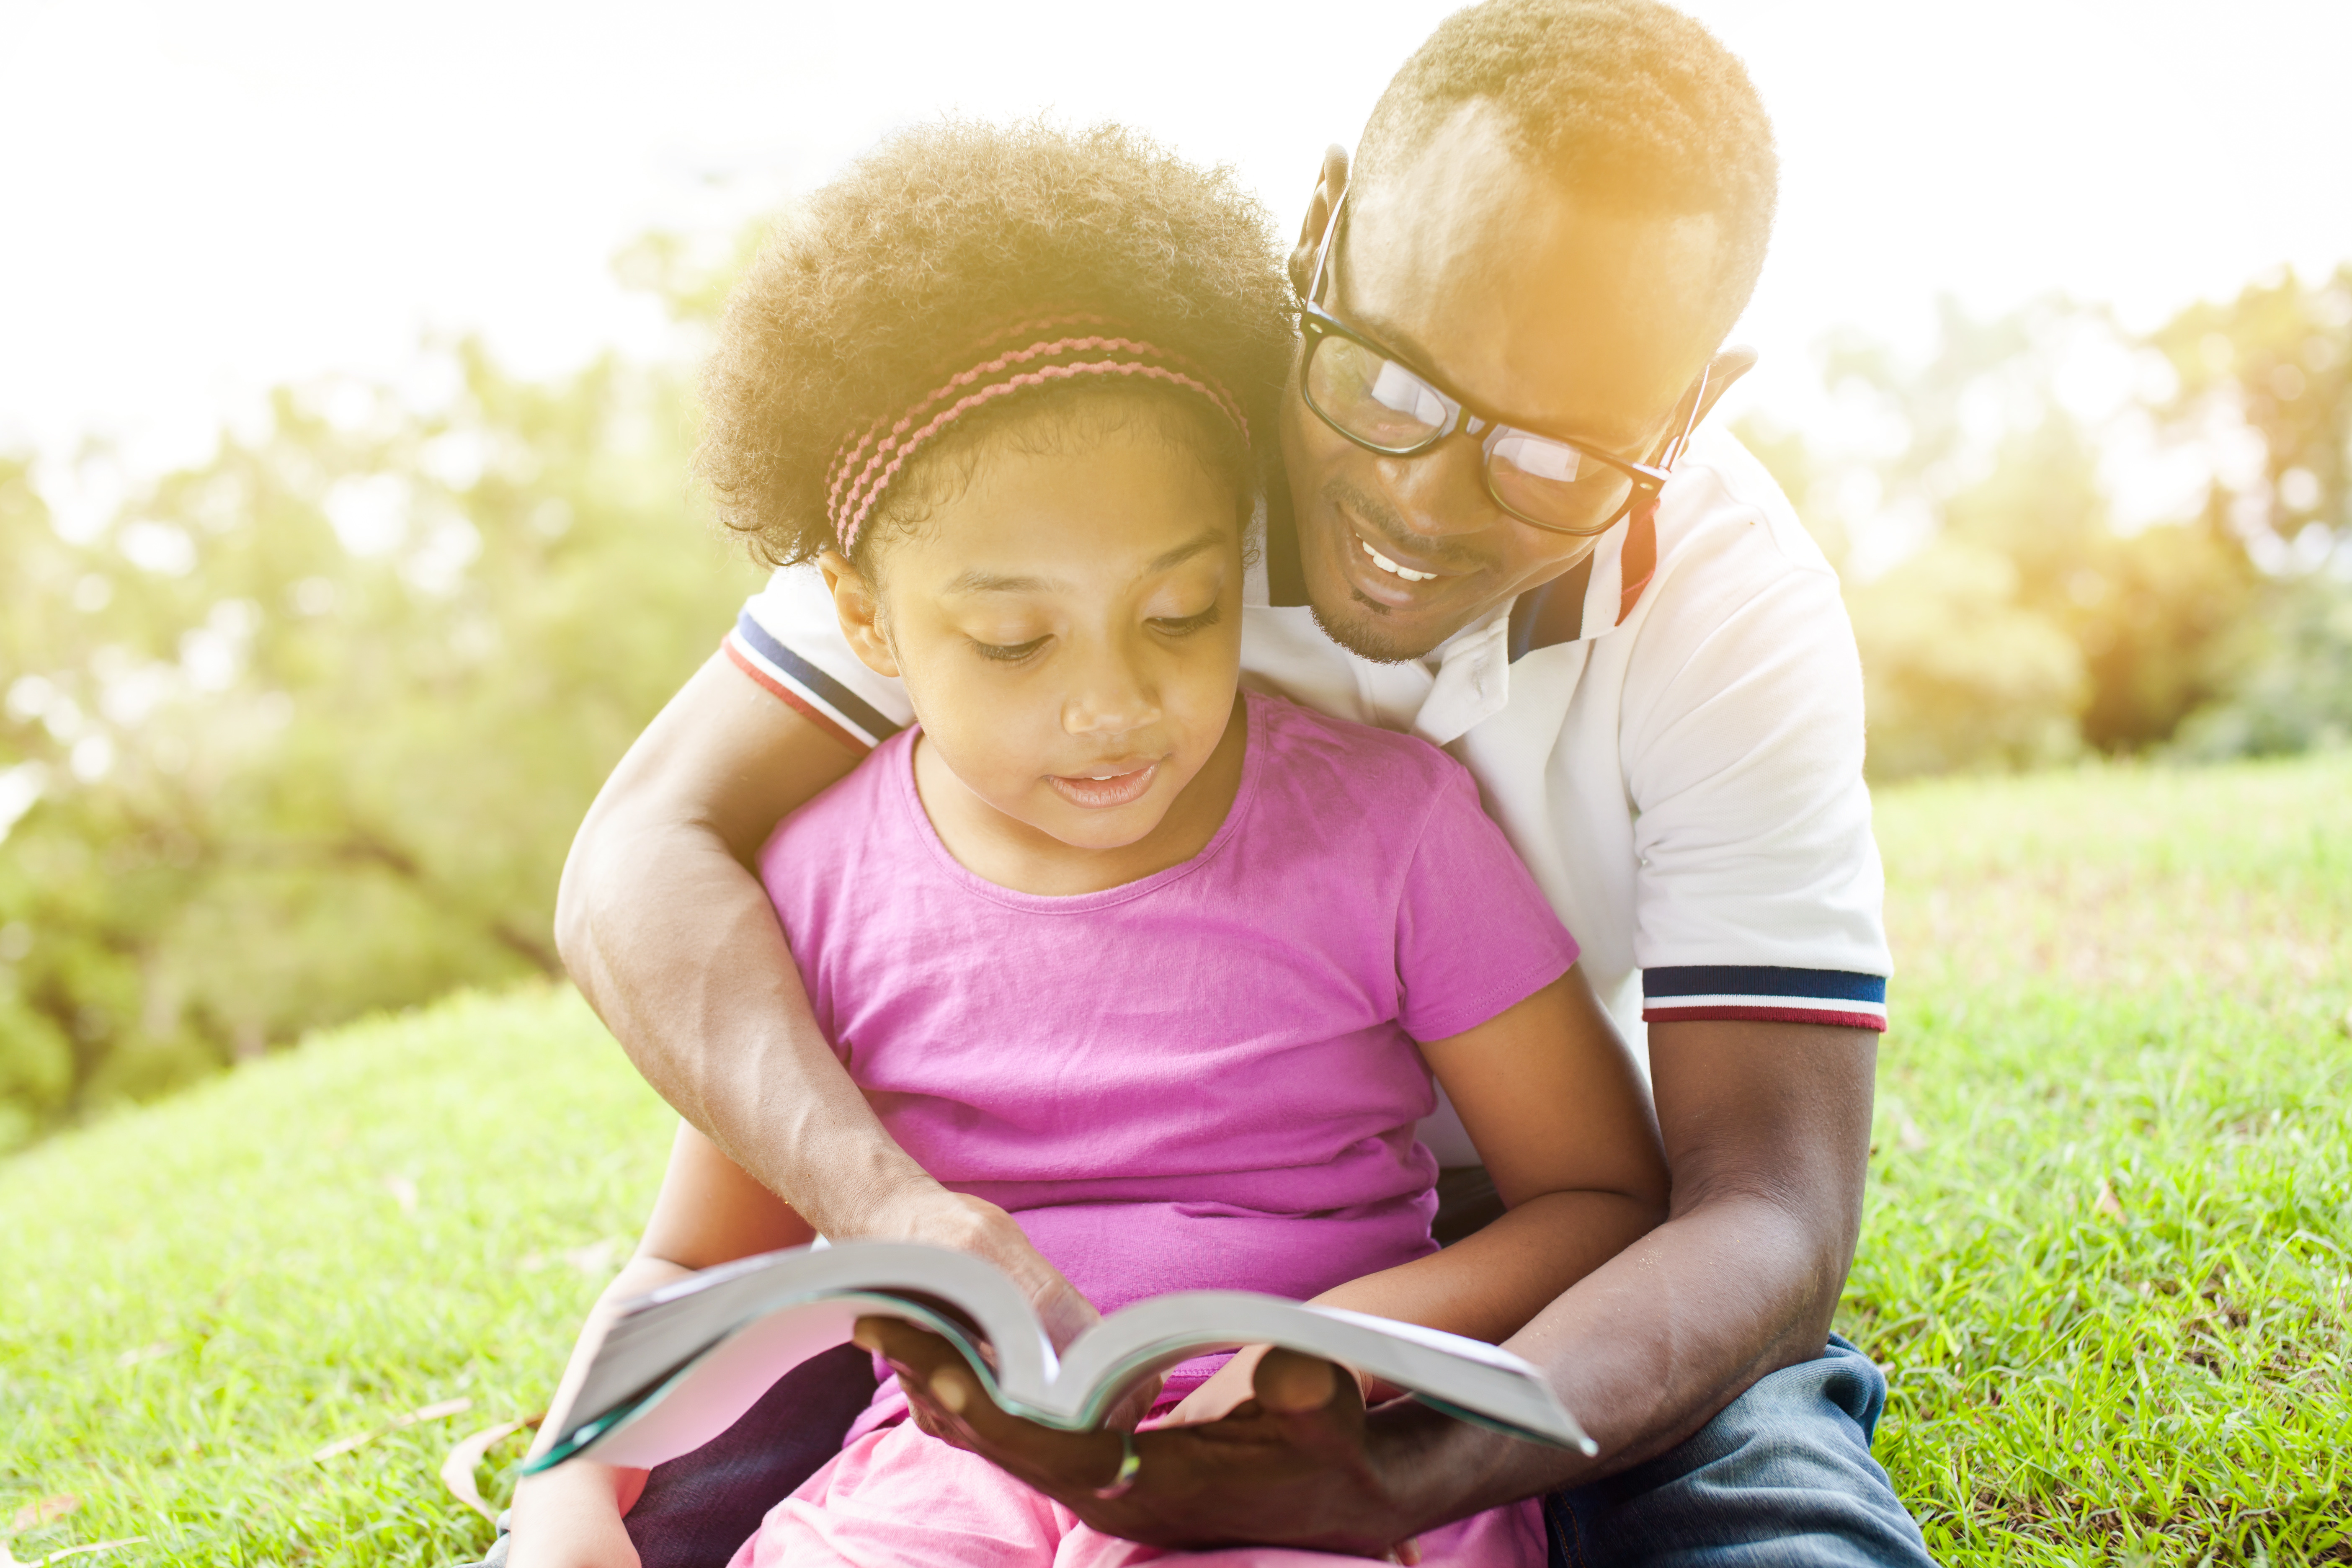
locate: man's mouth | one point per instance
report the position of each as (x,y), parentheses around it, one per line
(1102,791)
(1393,570)
(1384,579)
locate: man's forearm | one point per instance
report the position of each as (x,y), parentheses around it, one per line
(672,942)
(1743,1279)
(672,939)
(709,1006)
(1644,1351)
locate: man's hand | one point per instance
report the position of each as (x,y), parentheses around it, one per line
(1298,1464)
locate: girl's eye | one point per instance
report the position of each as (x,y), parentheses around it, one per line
(1008,653)
(1171,626)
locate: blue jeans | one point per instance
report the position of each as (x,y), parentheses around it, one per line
(1782,1477)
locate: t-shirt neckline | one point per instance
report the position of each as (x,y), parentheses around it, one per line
(1254,708)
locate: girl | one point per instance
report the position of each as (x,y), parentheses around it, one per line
(1158,968)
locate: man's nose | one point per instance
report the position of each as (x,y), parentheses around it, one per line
(1442,492)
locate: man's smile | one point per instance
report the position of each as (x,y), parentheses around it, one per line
(1394,569)
(1387,574)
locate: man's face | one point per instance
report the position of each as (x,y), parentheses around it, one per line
(1562,318)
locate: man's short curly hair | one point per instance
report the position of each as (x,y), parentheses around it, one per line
(1628,102)
(866,294)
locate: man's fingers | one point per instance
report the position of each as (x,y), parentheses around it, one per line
(954,1389)
(903,1344)
(950,1403)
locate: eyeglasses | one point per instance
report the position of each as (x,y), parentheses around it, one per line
(1374,398)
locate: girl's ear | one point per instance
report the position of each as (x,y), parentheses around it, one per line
(860,609)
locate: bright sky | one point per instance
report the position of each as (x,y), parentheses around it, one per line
(199,201)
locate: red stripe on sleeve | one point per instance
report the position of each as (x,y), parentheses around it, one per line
(800,704)
(1870,1021)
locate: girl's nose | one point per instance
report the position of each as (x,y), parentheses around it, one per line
(1110,699)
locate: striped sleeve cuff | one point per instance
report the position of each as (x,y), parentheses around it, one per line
(1763,993)
(818,696)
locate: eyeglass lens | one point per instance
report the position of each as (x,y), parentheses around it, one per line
(1384,404)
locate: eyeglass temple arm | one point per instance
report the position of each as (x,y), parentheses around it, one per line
(1323,251)
(1715,377)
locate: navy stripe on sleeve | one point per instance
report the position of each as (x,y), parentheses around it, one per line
(816,682)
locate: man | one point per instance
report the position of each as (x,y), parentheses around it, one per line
(1512,319)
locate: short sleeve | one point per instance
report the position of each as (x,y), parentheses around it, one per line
(789,640)
(1475,935)
(1742,739)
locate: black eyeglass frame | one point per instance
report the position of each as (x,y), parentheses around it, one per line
(1462,417)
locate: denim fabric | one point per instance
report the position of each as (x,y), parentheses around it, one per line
(1782,1477)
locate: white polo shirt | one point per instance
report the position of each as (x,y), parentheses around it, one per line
(1682,775)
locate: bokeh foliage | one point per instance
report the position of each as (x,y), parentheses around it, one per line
(304,731)
(2027,625)
(314,723)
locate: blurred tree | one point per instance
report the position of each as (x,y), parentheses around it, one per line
(2276,361)
(312,725)
(2022,556)
(2271,373)
(1956,672)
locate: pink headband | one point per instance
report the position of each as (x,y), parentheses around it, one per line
(864,468)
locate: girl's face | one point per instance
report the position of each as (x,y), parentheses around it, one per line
(1070,630)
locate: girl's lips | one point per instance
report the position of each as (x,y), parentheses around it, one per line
(1098,794)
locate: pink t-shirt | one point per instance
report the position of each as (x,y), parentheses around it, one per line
(1203,1080)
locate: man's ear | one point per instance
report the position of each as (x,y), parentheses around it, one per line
(860,609)
(1330,181)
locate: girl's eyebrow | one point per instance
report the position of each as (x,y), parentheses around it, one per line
(978,582)
(1208,539)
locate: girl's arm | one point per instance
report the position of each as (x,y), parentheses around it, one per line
(1552,1096)
(709,1211)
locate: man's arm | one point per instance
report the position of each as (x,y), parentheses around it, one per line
(1767,1131)
(671,937)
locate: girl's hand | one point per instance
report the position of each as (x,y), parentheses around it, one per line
(1231,1385)
(570,1517)
(945,1218)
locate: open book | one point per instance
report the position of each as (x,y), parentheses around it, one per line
(678,1367)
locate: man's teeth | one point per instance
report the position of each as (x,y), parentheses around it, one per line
(1390,567)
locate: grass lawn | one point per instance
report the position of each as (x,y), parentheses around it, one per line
(2104,1262)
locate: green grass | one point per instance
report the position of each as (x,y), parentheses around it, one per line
(2105,1265)
(2104,1262)
(301,1252)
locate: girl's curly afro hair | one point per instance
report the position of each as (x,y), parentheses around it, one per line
(867,292)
